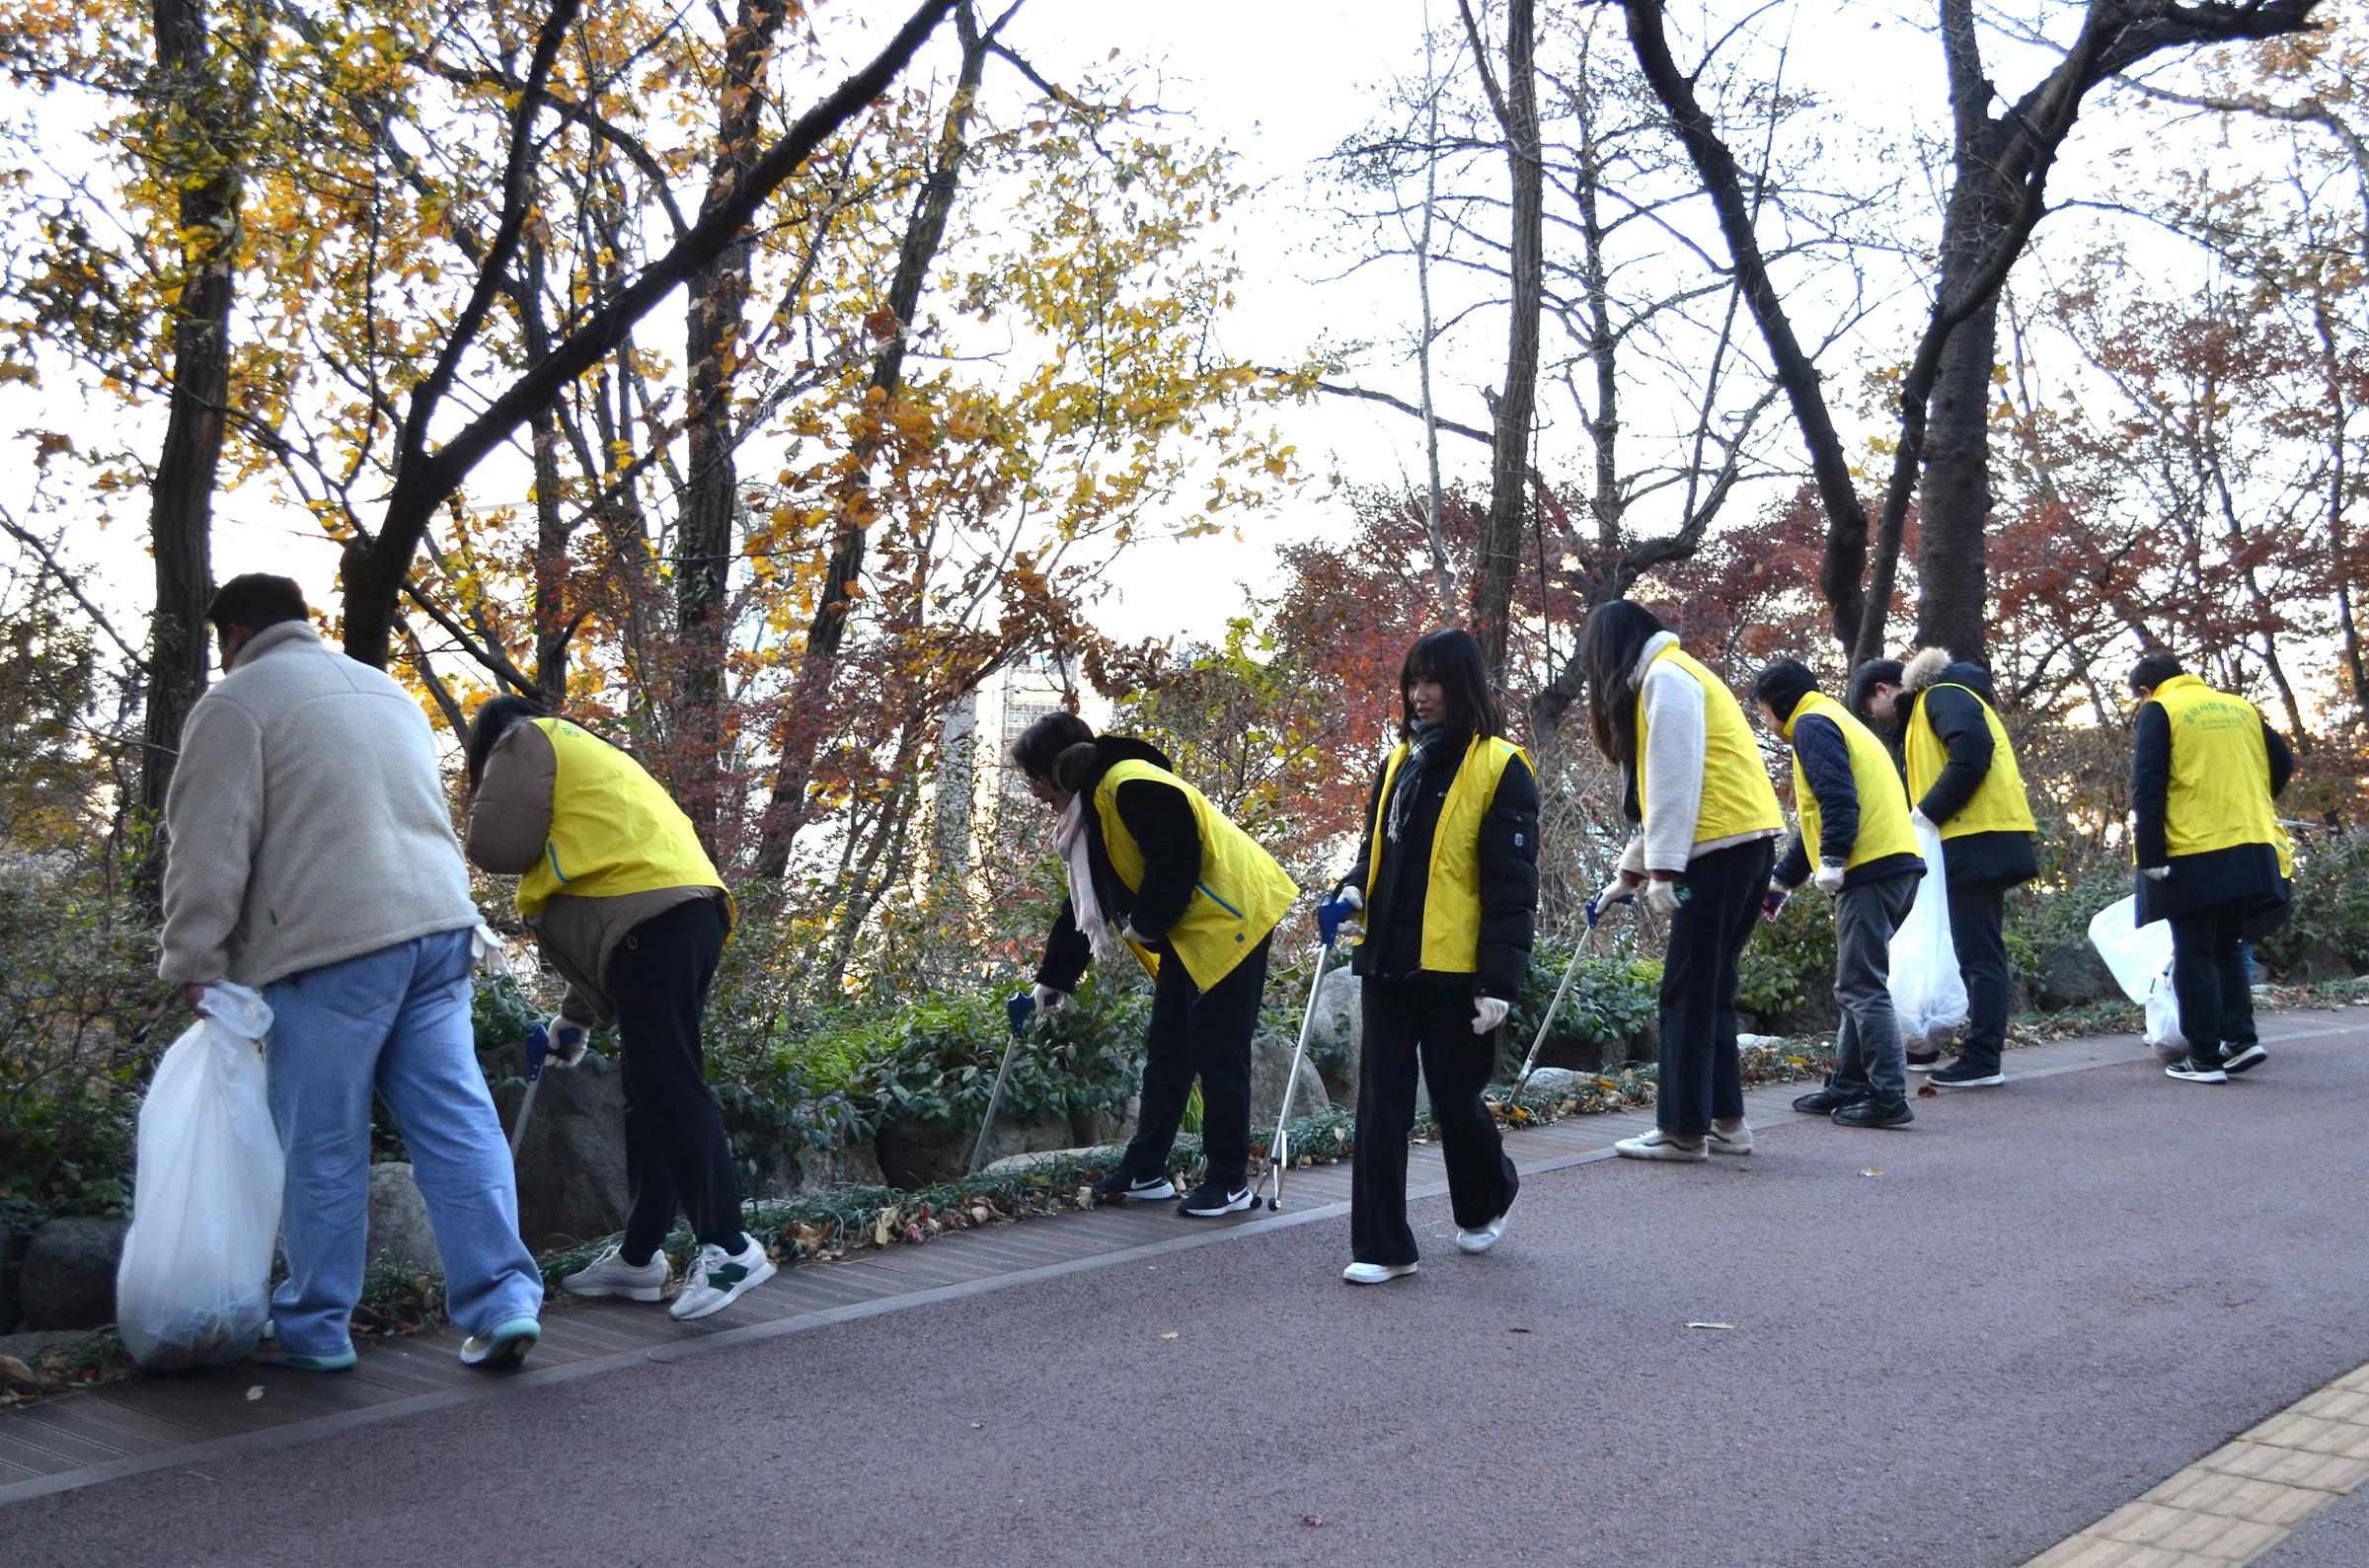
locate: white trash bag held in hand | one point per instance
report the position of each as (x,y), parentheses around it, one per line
(194,1285)
(1928,993)
(2140,958)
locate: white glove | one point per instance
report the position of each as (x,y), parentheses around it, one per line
(1489,1012)
(1662,893)
(1351,897)
(1127,931)
(1917,820)
(567,1039)
(1828,877)
(1046,998)
(2155,873)
(1623,886)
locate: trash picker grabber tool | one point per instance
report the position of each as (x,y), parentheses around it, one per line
(1018,1008)
(538,1050)
(1329,916)
(1570,971)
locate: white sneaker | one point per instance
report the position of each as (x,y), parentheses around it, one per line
(1375,1273)
(1738,1142)
(719,1278)
(610,1275)
(1658,1145)
(1482,1240)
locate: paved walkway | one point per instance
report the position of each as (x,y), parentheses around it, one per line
(2029,1309)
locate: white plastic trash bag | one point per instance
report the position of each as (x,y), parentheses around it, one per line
(2140,958)
(194,1288)
(1928,993)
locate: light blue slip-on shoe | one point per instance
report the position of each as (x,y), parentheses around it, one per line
(270,1352)
(506,1347)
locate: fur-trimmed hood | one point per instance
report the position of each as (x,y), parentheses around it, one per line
(1930,667)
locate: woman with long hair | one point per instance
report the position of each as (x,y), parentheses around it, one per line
(1448,879)
(1154,867)
(627,907)
(1706,821)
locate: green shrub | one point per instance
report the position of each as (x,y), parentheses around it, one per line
(2332,904)
(1611,999)
(1789,959)
(937,1059)
(77,977)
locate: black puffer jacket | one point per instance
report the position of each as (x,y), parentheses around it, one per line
(1972,858)
(1162,822)
(1509,865)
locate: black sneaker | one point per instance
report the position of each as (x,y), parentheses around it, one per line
(2244,1058)
(1829,1097)
(1870,1112)
(1211,1198)
(1119,1187)
(2193,1070)
(1963,1073)
(1923,1060)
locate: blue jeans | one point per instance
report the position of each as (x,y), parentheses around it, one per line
(397,1022)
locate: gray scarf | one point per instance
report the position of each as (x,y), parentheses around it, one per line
(1424,745)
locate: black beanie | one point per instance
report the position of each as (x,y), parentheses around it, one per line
(1782,684)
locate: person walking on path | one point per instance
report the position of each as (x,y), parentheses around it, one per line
(312,858)
(1855,819)
(629,909)
(1964,780)
(1448,879)
(1693,781)
(1154,867)
(2212,859)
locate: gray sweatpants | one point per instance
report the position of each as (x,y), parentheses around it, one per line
(1866,1048)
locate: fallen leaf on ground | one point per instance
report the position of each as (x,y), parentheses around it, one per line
(1928,1089)
(1870,1170)
(256,1392)
(1711,1326)
(1312,1519)
(1171,1334)
(1517,1330)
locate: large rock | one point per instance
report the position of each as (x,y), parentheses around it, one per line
(69,1276)
(1270,1068)
(401,1234)
(12,1254)
(1015,1164)
(2311,961)
(1337,1033)
(572,1183)
(2074,976)
(855,1164)
(1093,1128)
(917,1154)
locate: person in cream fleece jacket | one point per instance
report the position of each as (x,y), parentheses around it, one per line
(312,857)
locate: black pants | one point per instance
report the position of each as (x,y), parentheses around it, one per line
(2209,980)
(1702,1077)
(1405,1021)
(1978,931)
(1204,1035)
(675,1151)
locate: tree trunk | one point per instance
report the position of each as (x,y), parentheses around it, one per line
(1954,501)
(202,115)
(1516,109)
(718,294)
(826,634)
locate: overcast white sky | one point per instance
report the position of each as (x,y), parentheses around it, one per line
(1281,82)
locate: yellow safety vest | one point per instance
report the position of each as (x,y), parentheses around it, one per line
(613,830)
(1737,798)
(1452,898)
(1999,805)
(2220,794)
(1883,828)
(1241,893)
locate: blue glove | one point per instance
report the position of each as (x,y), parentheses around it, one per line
(1018,1007)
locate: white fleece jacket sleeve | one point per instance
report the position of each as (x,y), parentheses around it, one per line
(214,818)
(1671,776)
